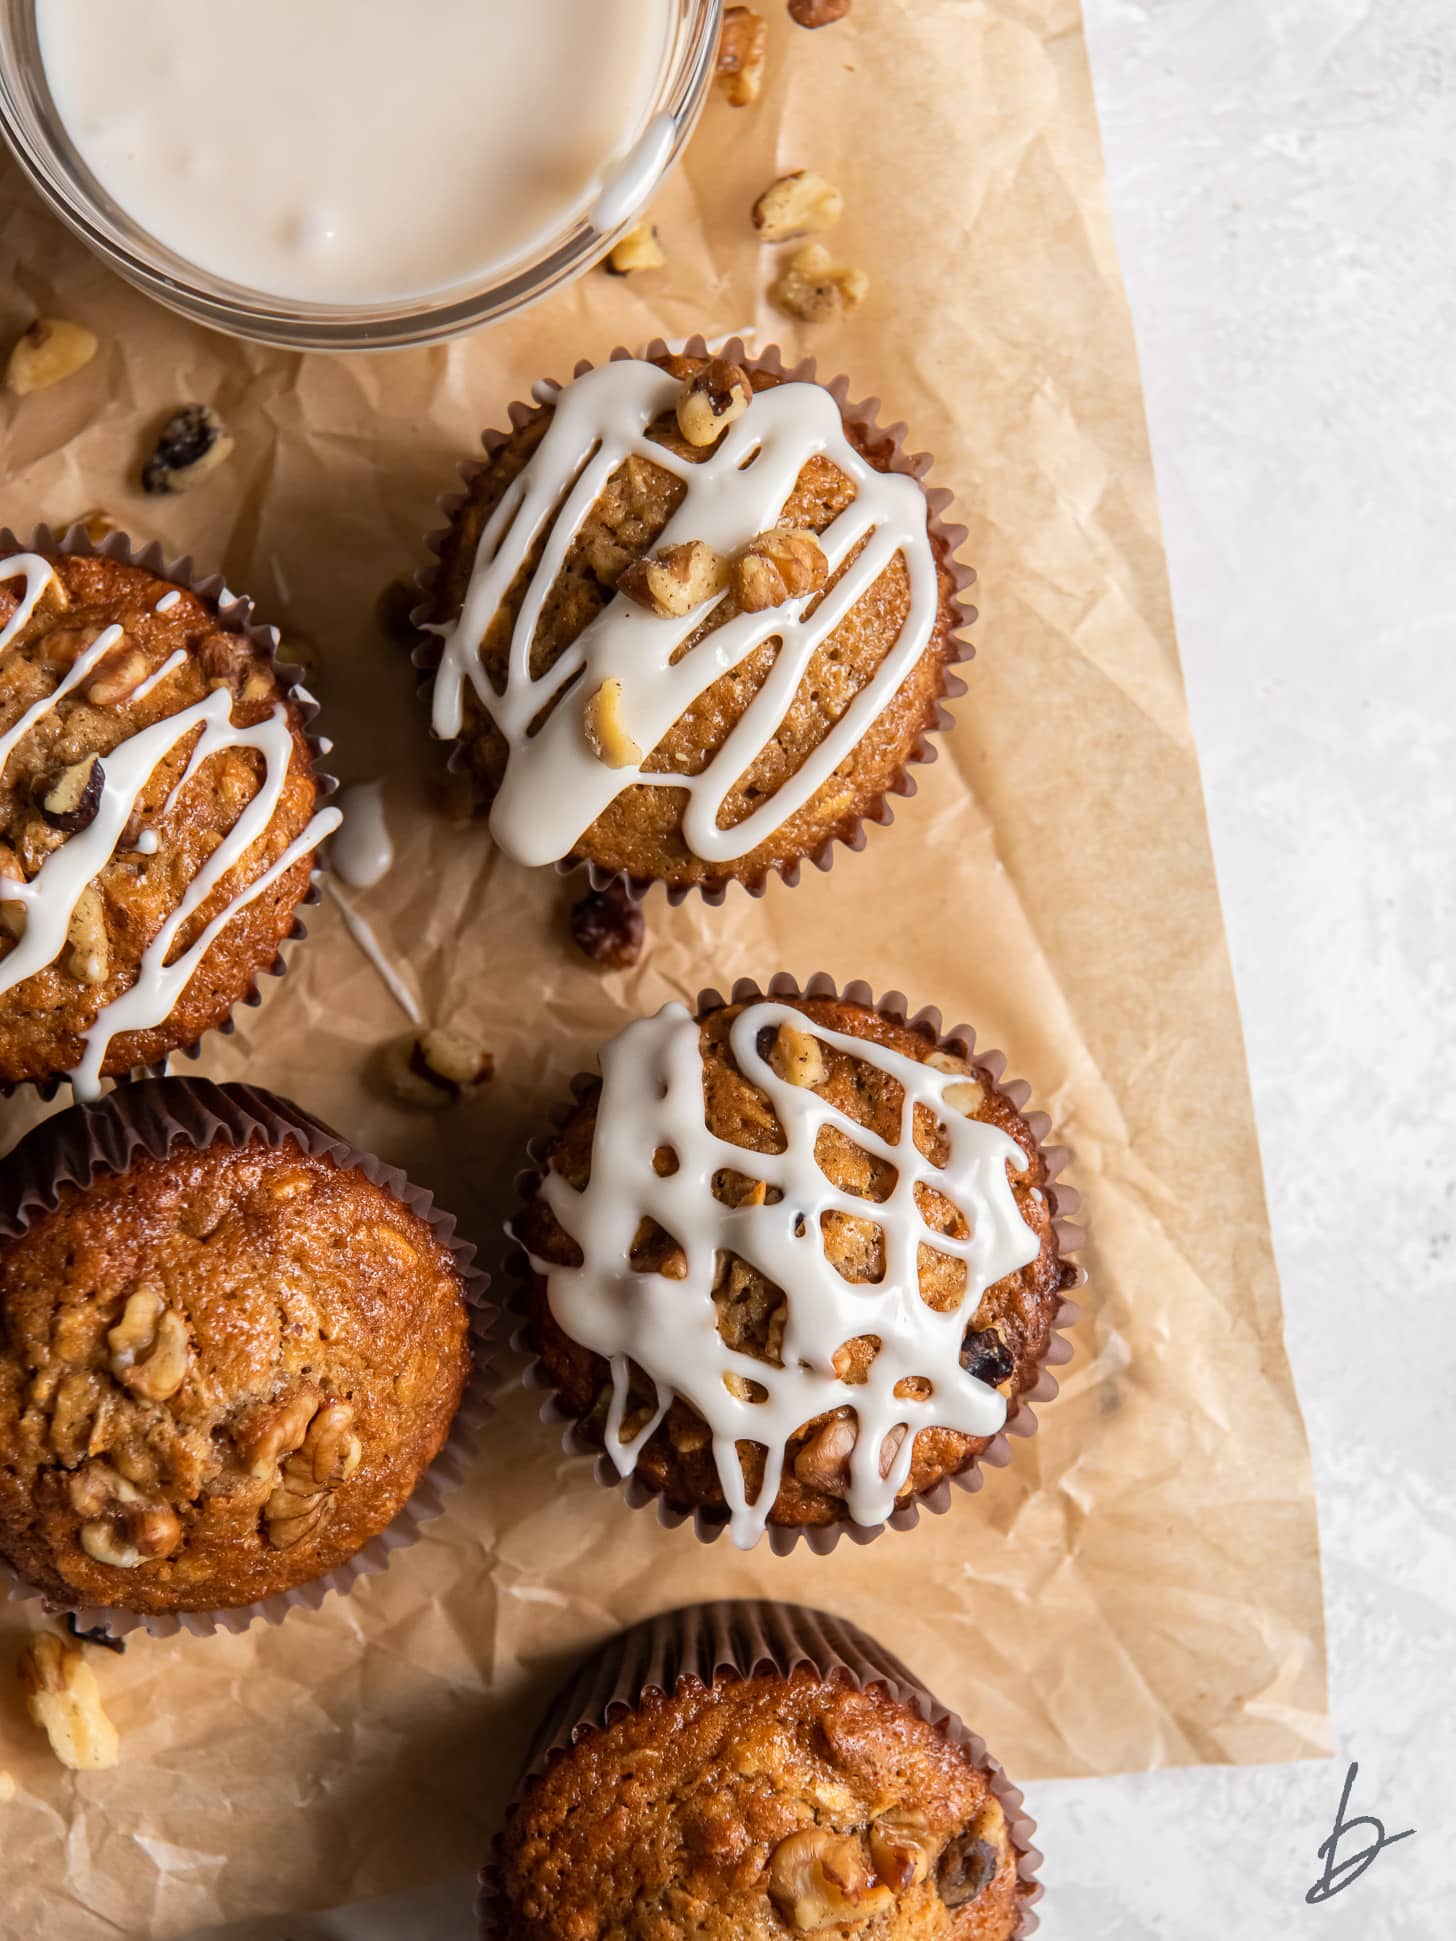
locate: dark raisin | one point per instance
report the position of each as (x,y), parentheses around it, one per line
(98,1635)
(985,1356)
(608,926)
(966,1870)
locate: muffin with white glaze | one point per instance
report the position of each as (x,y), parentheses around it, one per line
(794,1262)
(159,811)
(694,618)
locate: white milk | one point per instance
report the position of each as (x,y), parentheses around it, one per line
(353,151)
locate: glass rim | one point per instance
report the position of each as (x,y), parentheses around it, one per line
(422,319)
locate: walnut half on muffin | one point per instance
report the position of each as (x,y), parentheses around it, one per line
(793,1262)
(223,1366)
(694,618)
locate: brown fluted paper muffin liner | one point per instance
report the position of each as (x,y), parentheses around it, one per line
(235,614)
(1021,1418)
(736,1638)
(155,1115)
(884,441)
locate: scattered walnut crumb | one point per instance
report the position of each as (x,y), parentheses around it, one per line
(777,566)
(797,204)
(436,1068)
(714,397)
(677,580)
(797,1057)
(63,1698)
(50,350)
(192,444)
(608,927)
(817,290)
(818,13)
(742,56)
(640,249)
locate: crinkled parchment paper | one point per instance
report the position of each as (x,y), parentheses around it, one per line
(1142,1587)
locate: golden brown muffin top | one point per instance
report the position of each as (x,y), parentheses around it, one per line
(760,1808)
(221,1374)
(642,832)
(51,794)
(1002,1342)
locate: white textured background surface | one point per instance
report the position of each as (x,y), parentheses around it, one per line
(1283,180)
(1283,177)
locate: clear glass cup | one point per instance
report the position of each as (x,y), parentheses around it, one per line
(31,125)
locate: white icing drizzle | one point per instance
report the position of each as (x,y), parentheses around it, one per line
(52,894)
(164,672)
(362,852)
(167,601)
(554,786)
(363,934)
(652,1096)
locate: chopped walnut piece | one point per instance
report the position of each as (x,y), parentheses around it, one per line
(714,397)
(821,1879)
(677,580)
(900,1846)
(818,13)
(797,1057)
(276,1432)
(823,1462)
(70,798)
(798,204)
(89,957)
(193,443)
(116,677)
(640,249)
(329,1455)
(815,289)
(742,56)
(608,926)
(786,564)
(966,1098)
(63,1698)
(137,1534)
(149,1346)
(50,350)
(436,1068)
(606,730)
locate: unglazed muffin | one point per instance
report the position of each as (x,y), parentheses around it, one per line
(651,662)
(812,1788)
(227,1353)
(742,1294)
(159,811)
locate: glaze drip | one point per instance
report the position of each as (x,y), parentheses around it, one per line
(554,786)
(652,1097)
(51,896)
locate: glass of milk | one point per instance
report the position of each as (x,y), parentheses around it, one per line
(352,174)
